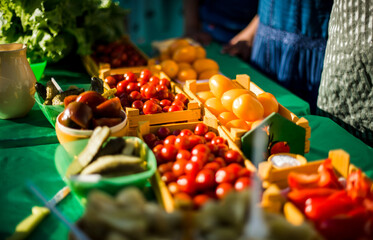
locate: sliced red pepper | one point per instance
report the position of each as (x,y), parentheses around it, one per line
(336,204)
(299,197)
(358,186)
(328,178)
(301,181)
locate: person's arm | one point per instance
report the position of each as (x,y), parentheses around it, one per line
(248,33)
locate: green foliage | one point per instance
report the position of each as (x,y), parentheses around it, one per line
(52,29)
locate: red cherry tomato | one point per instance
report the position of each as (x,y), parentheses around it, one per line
(213,147)
(170,140)
(223,175)
(168,153)
(186,132)
(182,98)
(149,91)
(168,177)
(111,81)
(161,87)
(175,108)
(141,82)
(200,199)
(222,149)
(244,172)
(179,103)
(205,179)
(122,87)
(201,158)
(165,167)
(154,79)
(183,154)
(145,74)
(130,76)
(163,132)
(149,139)
(134,95)
(173,188)
(157,148)
(209,136)
(182,142)
(221,161)
(195,140)
(218,140)
(223,189)
(242,183)
(176,132)
(138,104)
(187,184)
(200,148)
(233,156)
(165,102)
(192,168)
(158,142)
(165,109)
(132,86)
(165,82)
(235,168)
(201,129)
(179,167)
(214,166)
(150,107)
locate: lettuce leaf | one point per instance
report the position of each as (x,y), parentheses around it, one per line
(52,29)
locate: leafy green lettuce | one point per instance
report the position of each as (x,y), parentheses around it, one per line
(52,29)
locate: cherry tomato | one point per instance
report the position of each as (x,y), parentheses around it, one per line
(222,149)
(244,172)
(173,188)
(145,74)
(170,140)
(195,140)
(218,140)
(214,166)
(183,154)
(176,132)
(200,148)
(179,167)
(157,148)
(154,79)
(233,156)
(134,95)
(242,183)
(223,175)
(162,94)
(182,142)
(205,179)
(150,107)
(149,91)
(165,82)
(187,184)
(132,86)
(165,102)
(186,132)
(111,81)
(182,98)
(200,199)
(165,109)
(213,147)
(141,82)
(235,168)
(137,104)
(201,129)
(221,161)
(168,153)
(130,76)
(168,177)
(121,87)
(200,158)
(178,103)
(175,108)
(158,142)
(223,189)
(149,139)
(161,87)
(165,167)
(209,136)
(192,168)
(163,132)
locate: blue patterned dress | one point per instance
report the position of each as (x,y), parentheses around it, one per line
(290,42)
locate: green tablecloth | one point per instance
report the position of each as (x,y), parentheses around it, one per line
(27,147)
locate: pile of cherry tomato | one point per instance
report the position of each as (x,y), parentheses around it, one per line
(118,54)
(147,92)
(339,210)
(197,165)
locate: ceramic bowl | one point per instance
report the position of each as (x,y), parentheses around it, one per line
(66,134)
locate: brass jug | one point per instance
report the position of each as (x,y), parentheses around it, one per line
(17,81)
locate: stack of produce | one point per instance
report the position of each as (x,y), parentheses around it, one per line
(236,107)
(197,165)
(184,61)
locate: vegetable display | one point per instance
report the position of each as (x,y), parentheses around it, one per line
(53,29)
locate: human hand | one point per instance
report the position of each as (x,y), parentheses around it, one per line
(241,49)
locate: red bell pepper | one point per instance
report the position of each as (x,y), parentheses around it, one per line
(301,181)
(328,178)
(299,197)
(358,186)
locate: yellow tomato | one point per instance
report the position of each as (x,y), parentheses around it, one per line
(203,96)
(238,123)
(215,106)
(201,65)
(170,67)
(185,54)
(201,52)
(248,108)
(269,103)
(219,84)
(187,74)
(207,74)
(184,65)
(178,43)
(226,117)
(229,96)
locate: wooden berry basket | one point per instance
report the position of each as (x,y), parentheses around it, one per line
(191,114)
(192,87)
(94,68)
(160,189)
(276,179)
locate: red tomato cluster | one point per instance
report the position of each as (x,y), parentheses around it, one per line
(147,93)
(338,212)
(89,110)
(197,165)
(118,54)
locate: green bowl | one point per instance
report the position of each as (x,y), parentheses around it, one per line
(38,69)
(51,112)
(65,154)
